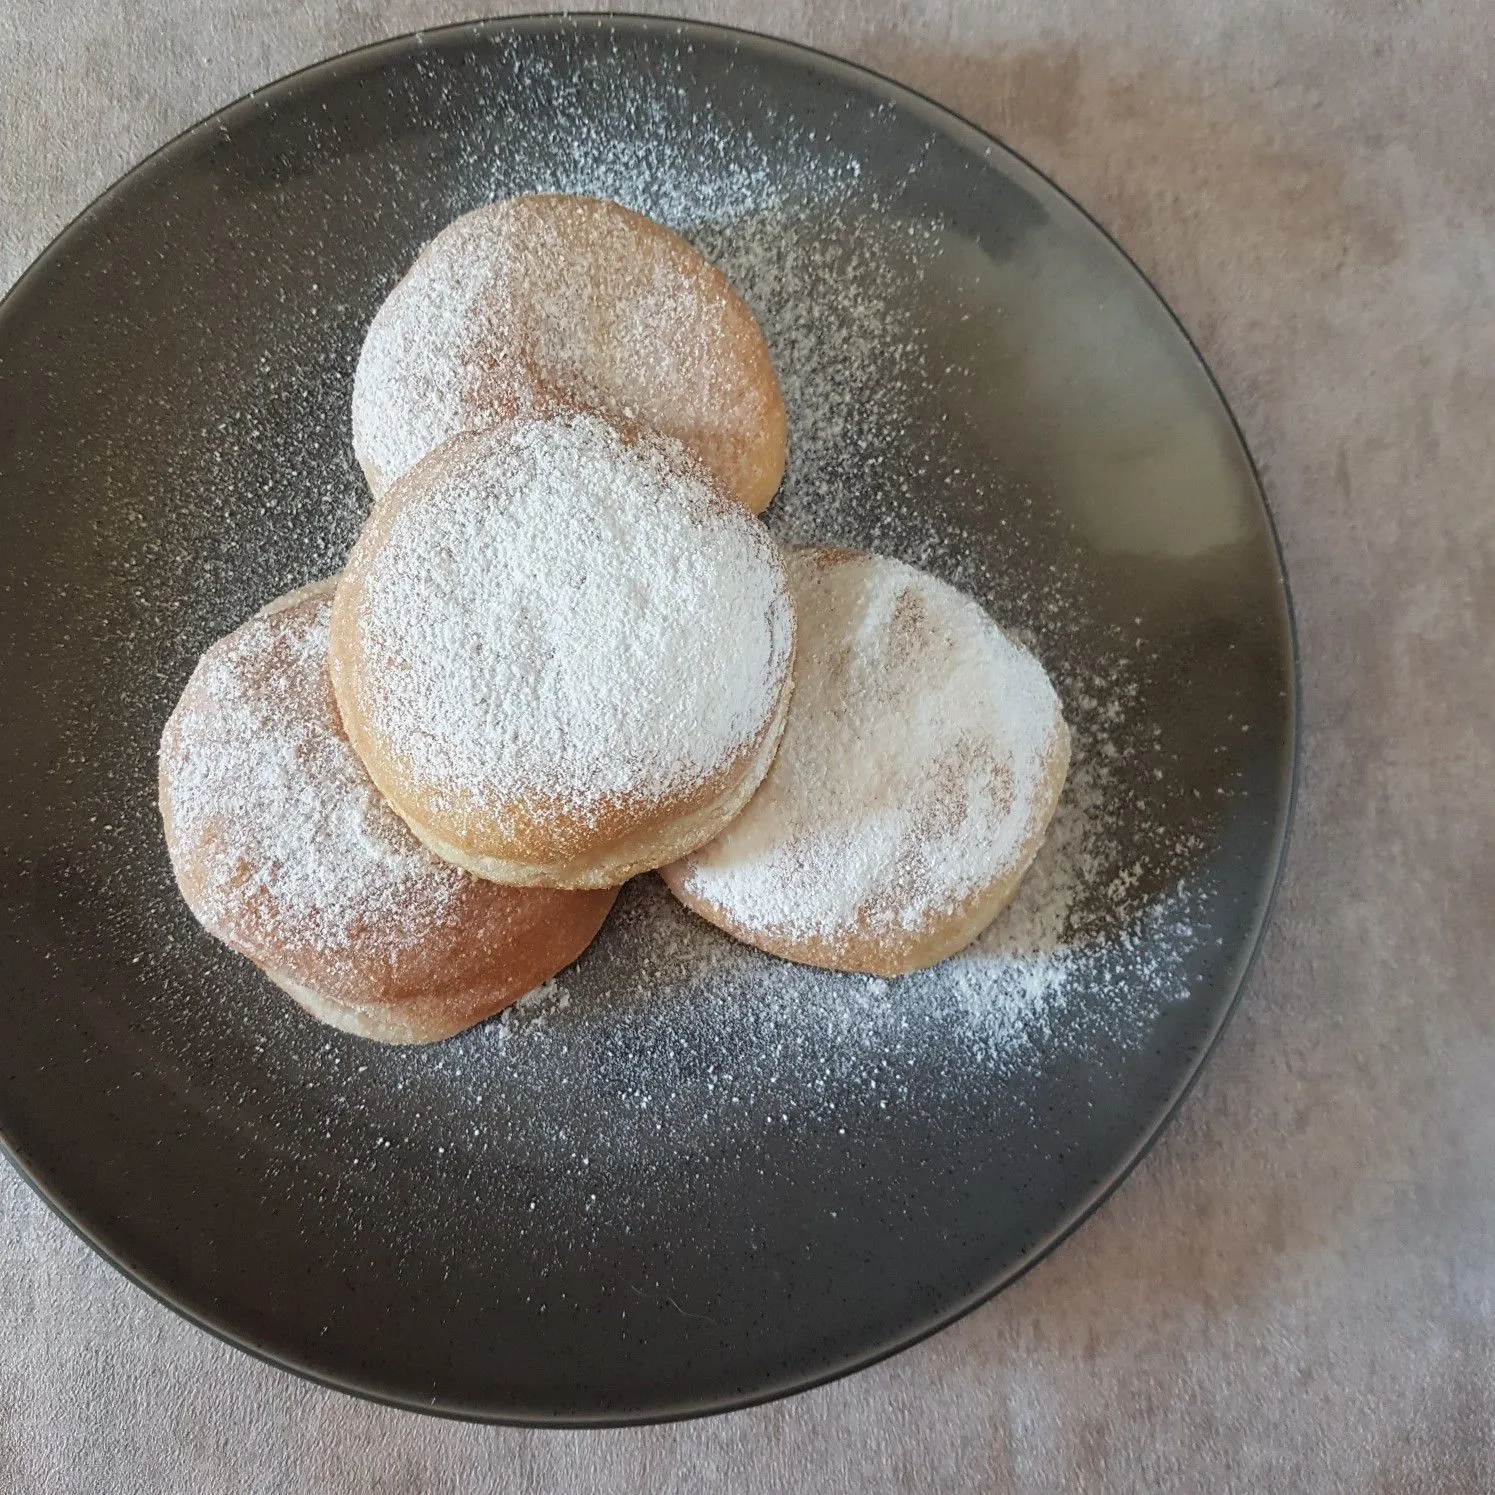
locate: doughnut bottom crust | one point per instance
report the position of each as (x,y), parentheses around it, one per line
(649,848)
(410,1021)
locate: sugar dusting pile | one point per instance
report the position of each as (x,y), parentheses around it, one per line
(641,638)
(534,296)
(288,843)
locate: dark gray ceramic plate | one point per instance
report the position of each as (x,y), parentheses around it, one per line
(688,1177)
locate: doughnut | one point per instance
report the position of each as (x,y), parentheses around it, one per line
(562,652)
(284,850)
(551,300)
(923,757)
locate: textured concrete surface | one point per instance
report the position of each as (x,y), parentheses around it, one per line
(1296,1290)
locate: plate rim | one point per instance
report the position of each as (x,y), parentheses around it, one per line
(414,41)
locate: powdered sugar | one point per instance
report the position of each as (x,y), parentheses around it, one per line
(912,769)
(272,814)
(409,387)
(832,290)
(552,125)
(570,618)
(540,296)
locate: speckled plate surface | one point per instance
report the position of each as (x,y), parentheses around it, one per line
(685,1176)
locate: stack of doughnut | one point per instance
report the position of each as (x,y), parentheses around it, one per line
(564,651)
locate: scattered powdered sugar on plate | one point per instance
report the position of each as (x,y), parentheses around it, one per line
(670,1051)
(829,283)
(564,129)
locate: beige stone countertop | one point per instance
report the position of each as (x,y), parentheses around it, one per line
(1296,1289)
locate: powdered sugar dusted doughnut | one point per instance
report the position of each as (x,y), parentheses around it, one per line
(283,848)
(546,299)
(922,760)
(562,653)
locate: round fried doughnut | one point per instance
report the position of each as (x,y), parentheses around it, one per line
(923,758)
(548,299)
(284,850)
(562,652)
